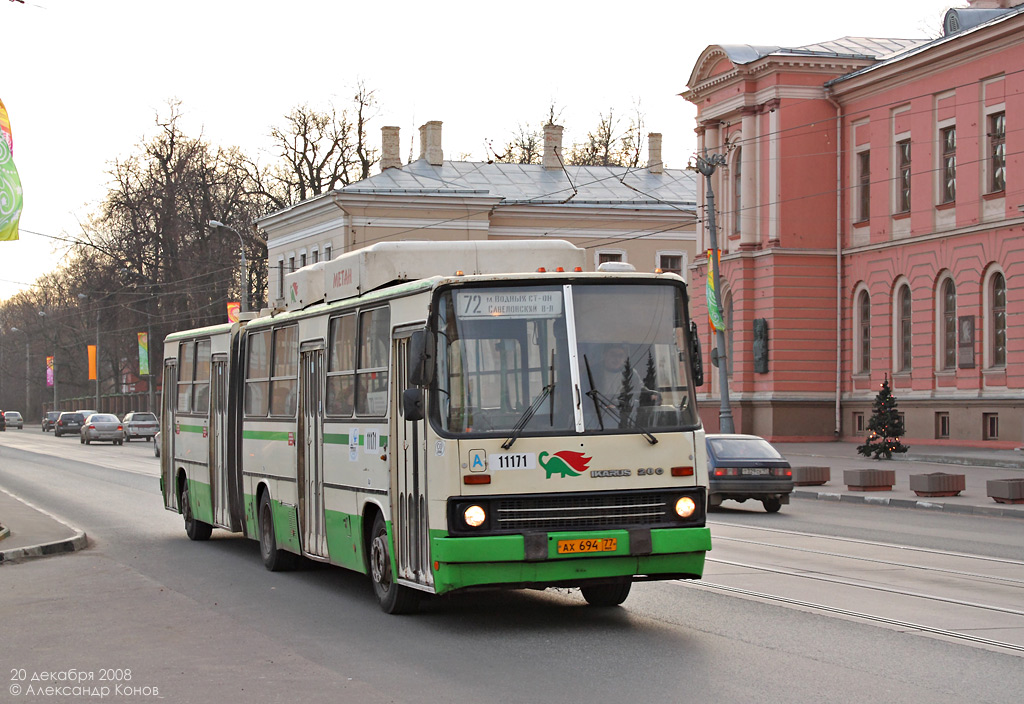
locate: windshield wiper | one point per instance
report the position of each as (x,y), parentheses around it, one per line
(598,398)
(527,415)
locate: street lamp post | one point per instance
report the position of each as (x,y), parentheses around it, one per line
(28,368)
(245,283)
(707,165)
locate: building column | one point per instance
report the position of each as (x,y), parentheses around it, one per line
(749,220)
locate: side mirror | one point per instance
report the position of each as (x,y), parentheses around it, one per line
(412,404)
(422,350)
(696,362)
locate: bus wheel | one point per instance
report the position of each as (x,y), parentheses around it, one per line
(273,559)
(607,594)
(393,597)
(195,530)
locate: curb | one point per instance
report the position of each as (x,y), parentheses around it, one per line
(910,503)
(76,542)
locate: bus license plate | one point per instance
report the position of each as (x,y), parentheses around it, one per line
(572,547)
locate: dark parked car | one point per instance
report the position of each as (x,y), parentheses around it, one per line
(50,420)
(742,467)
(68,423)
(140,424)
(102,426)
(3,421)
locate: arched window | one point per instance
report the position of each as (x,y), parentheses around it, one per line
(997,314)
(946,328)
(863,327)
(903,345)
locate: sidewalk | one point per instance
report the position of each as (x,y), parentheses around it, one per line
(978,465)
(27,531)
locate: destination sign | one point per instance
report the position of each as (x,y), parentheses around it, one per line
(508,304)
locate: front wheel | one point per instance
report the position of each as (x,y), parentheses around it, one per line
(273,559)
(194,529)
(607,594)
(392,597)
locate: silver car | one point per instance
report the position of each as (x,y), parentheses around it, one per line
(140,424)
(102,426)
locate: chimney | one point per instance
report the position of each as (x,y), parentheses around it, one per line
(389,149)
(430,143)
(654,163)
(552,146)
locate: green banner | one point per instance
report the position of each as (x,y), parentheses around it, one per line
(11,202)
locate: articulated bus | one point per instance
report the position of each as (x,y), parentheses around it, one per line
(421,415)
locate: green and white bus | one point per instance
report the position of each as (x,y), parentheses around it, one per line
(419,414)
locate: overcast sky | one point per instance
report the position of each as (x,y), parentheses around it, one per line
(83,80)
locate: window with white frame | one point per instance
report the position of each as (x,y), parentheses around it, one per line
(327,252)
(903,176)
(862,329)
(280,277)
(863,185)
(609,255)
(315,254)
(947,167)
(946,328)
(671,262)
(997,152)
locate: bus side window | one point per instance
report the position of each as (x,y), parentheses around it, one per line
(284,380)
(186,366)
(341,366)
(201,388)
(372,375)
(257,374)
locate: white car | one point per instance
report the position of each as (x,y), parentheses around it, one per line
(14,420)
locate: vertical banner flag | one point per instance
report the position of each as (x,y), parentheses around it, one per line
(714,311)
(143,354)
(92,362)
(233,308)
(11,201)
(49,372)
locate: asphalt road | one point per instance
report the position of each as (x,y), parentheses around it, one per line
(202,622)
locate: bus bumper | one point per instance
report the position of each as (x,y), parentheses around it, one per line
(501,560)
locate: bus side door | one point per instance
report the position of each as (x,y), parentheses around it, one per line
(167,421)
(311,451)
(409,520)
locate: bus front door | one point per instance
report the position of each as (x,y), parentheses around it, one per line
(409,496)
(311,453)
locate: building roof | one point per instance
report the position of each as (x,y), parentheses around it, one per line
(532,184)
(844,47)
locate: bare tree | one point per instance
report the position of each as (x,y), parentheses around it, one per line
(608,145)
(320,150)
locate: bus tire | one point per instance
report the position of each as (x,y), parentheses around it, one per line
(392,597)
(604,595)
(274,559)
(194,529)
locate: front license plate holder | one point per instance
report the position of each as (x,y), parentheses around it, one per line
(585,546)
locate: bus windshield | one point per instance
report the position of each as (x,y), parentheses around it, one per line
(587,358)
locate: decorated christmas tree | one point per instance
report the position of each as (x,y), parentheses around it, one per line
(885,426)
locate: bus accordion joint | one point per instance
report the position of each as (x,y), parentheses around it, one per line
(476,479)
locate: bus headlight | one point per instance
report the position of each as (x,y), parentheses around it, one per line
(685,507)
(474,516)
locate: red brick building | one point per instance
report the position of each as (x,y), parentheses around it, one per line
(869,214)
